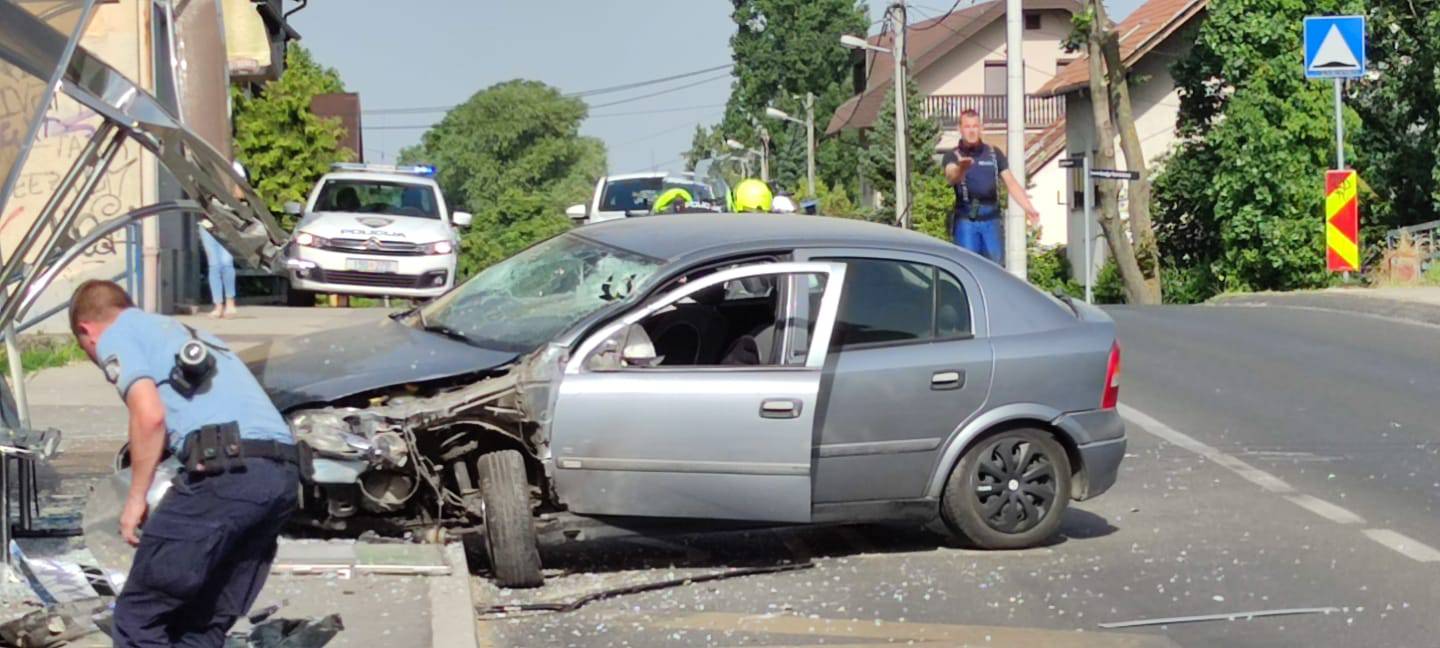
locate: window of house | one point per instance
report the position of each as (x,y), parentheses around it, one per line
(894,302)
(994,77)
(1032,20)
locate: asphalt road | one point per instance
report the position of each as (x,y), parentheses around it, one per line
(1280,458)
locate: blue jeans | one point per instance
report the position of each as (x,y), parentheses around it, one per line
(222,268)
(981,236)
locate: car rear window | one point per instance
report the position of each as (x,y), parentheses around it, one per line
(894,302)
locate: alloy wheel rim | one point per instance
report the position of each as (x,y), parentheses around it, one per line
(1014,484)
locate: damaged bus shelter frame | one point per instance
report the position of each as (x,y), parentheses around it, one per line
(236,215)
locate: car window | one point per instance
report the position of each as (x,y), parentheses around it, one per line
(952,308)
(710,330)
(377,197)
(631,194)
(891,302)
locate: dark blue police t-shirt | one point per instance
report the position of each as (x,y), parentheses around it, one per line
(982,179)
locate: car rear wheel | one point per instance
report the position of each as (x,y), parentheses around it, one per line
(510,541)
(1008,491)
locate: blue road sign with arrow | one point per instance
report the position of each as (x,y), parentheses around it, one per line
(1334,47)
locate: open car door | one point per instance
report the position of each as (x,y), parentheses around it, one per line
(723,441)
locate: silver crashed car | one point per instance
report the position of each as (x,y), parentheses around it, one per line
(764,369)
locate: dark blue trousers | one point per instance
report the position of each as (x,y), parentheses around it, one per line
(981,237)
(204,554)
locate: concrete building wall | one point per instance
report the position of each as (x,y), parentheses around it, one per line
(962,70)
(118,34)
(1047,191)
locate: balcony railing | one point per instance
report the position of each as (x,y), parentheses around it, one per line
(1040,112)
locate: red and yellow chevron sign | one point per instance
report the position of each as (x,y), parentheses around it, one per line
(1342,221)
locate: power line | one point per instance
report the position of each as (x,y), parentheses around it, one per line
(662,92)
(409,110)
(632,113)
(941,20)
(641,84)
(656,111)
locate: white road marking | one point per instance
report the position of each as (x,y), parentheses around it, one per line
(1322,309)
(1250,473)
(1407,546)
(1322,508)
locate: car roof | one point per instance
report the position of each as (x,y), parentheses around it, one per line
(403,178)
(672,236)
(650,174)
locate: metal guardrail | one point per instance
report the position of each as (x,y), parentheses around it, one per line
(1427,234)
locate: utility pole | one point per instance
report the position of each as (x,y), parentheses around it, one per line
(810,142)
(902,130)
(764,155)
(1015,252)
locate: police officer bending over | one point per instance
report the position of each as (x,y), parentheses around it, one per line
(204,552)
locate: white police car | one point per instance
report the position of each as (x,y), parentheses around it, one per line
(375,230)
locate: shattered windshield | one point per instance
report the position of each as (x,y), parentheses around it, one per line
(524,301)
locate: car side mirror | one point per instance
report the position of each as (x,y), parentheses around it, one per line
(462,219)
(294,208)
(637,350)
(577,212)
(628,347)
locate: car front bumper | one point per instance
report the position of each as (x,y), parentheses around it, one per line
(328,272)
(1100,442)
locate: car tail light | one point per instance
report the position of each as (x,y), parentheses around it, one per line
(1110,397)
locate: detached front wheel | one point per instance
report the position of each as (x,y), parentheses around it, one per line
(510,541)
(1008,491)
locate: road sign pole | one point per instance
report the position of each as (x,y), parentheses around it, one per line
(1089,244)
(1339,125)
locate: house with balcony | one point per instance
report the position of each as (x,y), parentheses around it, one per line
(958,62)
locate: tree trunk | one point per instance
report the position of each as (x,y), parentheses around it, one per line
(1115,234)
(1142,232)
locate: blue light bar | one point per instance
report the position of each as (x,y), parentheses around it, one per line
(426,170)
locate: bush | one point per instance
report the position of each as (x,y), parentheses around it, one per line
(1049,270)
(1109,288)
(1192,285)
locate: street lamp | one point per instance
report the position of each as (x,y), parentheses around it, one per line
(809,124)
(764,163)
(902,159)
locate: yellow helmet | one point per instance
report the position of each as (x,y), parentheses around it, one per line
(672,198)
(752,196)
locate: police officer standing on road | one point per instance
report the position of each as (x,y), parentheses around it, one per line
(975,169)
(205,550)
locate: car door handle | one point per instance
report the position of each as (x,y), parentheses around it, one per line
(947,380)
(780,408)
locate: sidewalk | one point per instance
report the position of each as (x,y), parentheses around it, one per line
(377,609)
(1420,304)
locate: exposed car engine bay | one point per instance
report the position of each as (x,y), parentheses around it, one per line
(406,458)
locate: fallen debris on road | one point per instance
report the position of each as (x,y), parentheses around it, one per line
(571,606)
(1233,616)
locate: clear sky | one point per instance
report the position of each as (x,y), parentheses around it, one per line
(412,54)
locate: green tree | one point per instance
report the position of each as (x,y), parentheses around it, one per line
(1262,135)
(783,49)
(877,159)
(513,156)
(284,146)
(1398,144)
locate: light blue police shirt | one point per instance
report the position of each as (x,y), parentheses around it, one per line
(143,345)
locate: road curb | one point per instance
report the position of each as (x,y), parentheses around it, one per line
(1344,302)
(452,608)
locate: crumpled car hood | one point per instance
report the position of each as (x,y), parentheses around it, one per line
(330,365)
